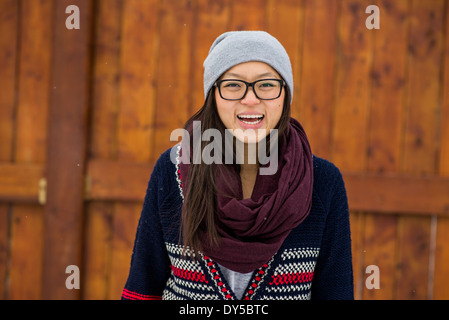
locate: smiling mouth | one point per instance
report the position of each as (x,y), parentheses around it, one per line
(251,118)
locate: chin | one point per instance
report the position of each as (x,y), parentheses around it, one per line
(250,136)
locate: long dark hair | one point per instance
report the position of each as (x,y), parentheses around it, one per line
(199,208)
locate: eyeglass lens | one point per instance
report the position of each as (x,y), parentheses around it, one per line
(265,89)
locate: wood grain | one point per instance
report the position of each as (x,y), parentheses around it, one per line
(66,150)
(91,110)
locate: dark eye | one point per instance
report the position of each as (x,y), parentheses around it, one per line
(267,85)
(232,85)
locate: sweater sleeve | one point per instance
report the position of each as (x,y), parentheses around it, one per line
(333,272)
(149,268)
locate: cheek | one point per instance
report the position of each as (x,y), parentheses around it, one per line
(276,112)
(225,112)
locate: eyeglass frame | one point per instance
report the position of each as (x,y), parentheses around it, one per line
(249,84)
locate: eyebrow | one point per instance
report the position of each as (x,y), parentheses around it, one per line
(266,74)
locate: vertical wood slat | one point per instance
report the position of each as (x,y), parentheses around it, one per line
(97,253)
(384,136)
(103,144)
(9,28)
(387,87)
(138,59)
(106,80)
(285,18)
(357,221)
(34,81)
(9,22)
(420,134)
(66,153)
(4,250)
(211,20)
(318,74)
(124,226)
(351,108)
(247,15)
(441,271)
(30,144)
(174,72)
(136,122)
(27,230)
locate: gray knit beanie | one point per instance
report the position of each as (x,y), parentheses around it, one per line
(235,47)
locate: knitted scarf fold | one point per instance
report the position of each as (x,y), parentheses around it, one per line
(252,230)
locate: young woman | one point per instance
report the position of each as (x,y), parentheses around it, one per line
(265,219)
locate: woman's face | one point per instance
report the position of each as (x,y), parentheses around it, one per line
(250,112)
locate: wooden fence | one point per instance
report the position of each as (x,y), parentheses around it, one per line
(84,113)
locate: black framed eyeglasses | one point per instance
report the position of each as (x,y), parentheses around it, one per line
(264,89)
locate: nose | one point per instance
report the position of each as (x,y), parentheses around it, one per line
(250,98)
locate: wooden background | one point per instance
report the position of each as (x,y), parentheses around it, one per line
(85,113)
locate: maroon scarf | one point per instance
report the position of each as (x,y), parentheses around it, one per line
(252,230)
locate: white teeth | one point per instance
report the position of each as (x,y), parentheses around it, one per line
(259,118)
(250,116)
(252,122)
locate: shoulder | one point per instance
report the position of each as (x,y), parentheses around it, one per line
(325,171)
(163,176)
(167,159)
(165,167)
(327,180)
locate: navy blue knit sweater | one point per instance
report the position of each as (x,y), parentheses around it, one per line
(314,261)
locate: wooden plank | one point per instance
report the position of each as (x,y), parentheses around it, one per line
(103,144)
(9,26)
(388,87)
(25,275)
(136,122)
(420,147)
(211,20)
(20,182)
(379,248)
(102,185)
(125,220)
(357,221)
(34,81)
(174,85)
(285,21)
(30,144)
(444,140)
(441,272)
(425,61)
(247,15)
(397,193)
(66,149)
(385,136)
(318,74)
(4,249)
(413,267)
(106,80)
(352,88)
(137,84)
(97,253)
(351,104)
